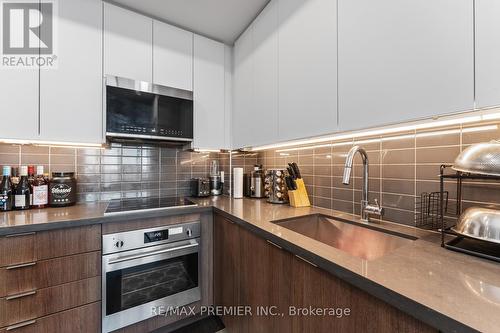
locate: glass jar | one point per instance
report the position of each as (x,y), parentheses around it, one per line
(62,189)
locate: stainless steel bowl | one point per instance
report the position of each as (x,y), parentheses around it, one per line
(482,159)
(479,223)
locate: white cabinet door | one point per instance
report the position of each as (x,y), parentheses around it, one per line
(19,103)
(307,67)
(243,134)
(209,102)
(71,94)
(403,59)
(264,120)
(172,56)
(487,53)
(128,44)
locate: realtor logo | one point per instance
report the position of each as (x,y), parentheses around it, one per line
(28,34)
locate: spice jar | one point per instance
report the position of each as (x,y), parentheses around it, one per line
(62,189)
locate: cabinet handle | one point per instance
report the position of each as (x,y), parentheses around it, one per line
(310,263)
(21,265)
(274,244)
(20,235)
(19,325)
(29,293)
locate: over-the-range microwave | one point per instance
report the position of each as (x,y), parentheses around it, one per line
(142,110)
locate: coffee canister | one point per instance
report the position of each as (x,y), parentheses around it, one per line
(62,189)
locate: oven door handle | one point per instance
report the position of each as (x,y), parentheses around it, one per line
(149,254)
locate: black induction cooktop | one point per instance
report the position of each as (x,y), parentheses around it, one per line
(118,206)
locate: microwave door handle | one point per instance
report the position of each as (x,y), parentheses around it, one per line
(149,254)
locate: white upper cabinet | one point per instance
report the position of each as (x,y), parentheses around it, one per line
(264,115)
(172,56)
(228,95)
(487,53)
(19,103)
(243,132)
(209,94)
(401,60)
(71,94)
(308,67)
(128,44)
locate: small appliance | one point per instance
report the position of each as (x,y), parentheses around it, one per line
(257,182)
(144,111)
(200,187)
(215,179)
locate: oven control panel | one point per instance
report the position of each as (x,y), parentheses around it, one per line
(135,239)
(155,236)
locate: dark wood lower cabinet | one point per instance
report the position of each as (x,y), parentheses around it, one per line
(84,319)
(250,271)
(227,267)
(51,272)
(43,302)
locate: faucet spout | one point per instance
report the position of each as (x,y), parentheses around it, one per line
(349,161)
(366,207)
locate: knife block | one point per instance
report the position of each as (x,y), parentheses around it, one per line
(299,197)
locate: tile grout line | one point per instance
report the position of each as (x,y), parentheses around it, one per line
(415,177)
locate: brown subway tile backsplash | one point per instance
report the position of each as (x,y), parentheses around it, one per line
(438,155)
(402,167)
(120,171)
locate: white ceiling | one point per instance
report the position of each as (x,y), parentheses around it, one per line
(223,20)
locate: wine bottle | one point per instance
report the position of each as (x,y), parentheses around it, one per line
(15,177)
(31,180)
(22,194)
(6,195)
(40,189)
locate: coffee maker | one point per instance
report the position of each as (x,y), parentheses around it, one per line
(257,182)
(216,181)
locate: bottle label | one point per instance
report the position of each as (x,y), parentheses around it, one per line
(5,202)
(40,195)
(61,194)
(20,200)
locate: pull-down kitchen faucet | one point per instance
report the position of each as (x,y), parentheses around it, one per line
(366,207)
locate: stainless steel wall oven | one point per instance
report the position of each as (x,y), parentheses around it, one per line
(147,269)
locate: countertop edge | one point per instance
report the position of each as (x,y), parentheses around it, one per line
(70,223)
(405,304)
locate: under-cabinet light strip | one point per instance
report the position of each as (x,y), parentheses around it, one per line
(201,150)
(399,137)
(383,131)
(52,143)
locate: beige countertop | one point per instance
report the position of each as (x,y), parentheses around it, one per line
(440,284)
(461,287)
(39,219)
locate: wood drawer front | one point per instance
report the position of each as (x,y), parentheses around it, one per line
(47,301)
(17,249)
(65,242)
(84,319)
(48,273)
(26,248)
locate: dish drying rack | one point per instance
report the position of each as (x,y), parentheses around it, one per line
(462,243)
(428,213)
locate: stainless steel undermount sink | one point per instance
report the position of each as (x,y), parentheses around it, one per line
(362,241)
